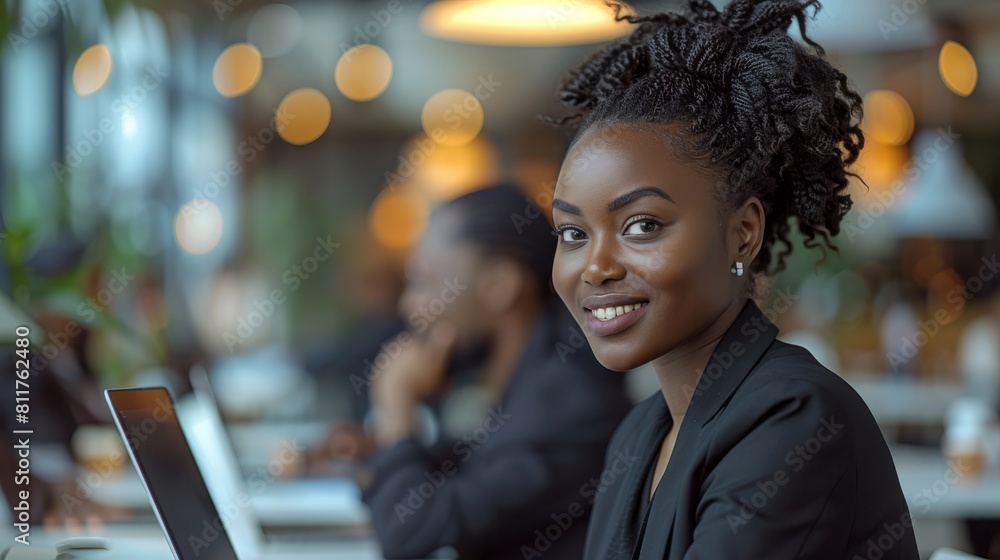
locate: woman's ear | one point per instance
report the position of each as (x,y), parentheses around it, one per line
(501,283)
(747,231)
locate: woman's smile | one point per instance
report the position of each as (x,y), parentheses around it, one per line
(613,320)
(609,314)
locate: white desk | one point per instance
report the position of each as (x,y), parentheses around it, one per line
(932,491)
(895,402)
(257,442)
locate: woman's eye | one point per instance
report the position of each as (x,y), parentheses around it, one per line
(642,227)
(571,234)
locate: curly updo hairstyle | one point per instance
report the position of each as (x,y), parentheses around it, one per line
(767,115)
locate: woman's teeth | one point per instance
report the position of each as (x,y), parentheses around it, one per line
(608,313)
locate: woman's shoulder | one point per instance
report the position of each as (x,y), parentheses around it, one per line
(790,382)
(787,369)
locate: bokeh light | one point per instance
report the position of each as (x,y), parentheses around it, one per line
(307,113)
(958,68)
(888,118)
(198,226)
(275,29)
(92,70)
(445,172)
(522,22)
(452,117)
(398,217)
(879,165)
(363,72)
(237,70)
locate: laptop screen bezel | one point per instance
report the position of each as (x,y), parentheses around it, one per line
(151,398)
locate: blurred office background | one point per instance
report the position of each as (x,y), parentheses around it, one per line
(237,183)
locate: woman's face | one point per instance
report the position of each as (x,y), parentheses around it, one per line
(639,228)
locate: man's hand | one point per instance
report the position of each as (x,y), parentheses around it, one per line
(415,374)
(344,441)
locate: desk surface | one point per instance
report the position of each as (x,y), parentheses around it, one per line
(934,489)
(129,542)
(907,402)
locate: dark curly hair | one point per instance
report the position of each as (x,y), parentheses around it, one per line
(770,116)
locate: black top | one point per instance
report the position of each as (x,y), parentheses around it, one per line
(661,426)
(522,486)
(777,457)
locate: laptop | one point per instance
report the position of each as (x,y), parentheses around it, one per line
(305,503)
(195,526)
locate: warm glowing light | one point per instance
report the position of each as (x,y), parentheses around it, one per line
(879,165)
(363,72)
(522,22)
(275,29)
(237,69)
(92,70)
(958,68)
(452,117)
(198,226)
(888,118)
(446,172)
(307,113)
(398,218)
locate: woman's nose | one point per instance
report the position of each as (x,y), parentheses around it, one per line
(602,264)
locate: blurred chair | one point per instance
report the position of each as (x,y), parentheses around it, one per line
(952,554)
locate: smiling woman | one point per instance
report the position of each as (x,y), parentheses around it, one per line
(701,135)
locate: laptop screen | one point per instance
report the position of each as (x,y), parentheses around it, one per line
(148,424)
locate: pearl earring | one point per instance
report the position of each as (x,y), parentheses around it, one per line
(738,269)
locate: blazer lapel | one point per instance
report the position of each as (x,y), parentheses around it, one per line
(736,354)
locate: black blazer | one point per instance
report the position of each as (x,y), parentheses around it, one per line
(777,458)
(519,487)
